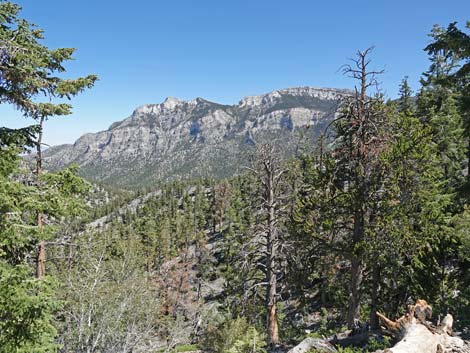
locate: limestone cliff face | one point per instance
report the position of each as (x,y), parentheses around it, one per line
(197,138)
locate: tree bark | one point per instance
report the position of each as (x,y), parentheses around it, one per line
(354,308)
(271,175)
(41,260)
(271,243)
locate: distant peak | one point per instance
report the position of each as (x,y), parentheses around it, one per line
(171,102)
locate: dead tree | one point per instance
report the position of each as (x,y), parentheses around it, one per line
(269,172)
(416,334)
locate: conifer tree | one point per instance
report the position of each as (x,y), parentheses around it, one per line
(29,71)
(30,81)
(452,46)
(360,137)
(444,106)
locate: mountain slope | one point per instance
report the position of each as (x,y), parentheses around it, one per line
(184,139)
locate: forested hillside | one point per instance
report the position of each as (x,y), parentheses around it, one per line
(368,219)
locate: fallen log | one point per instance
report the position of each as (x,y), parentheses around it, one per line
(416,335)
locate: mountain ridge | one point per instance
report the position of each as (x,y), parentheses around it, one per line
(179,138)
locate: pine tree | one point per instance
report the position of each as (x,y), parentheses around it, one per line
(30,72)
(29,69)
(28,304)
(407,220)
(452,47)
(444,106)
(360,137)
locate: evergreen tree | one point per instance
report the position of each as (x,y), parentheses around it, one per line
(357,174)
(452,47)
(29,73)
(29,69)
(444,105)
(366,198)
(27,304)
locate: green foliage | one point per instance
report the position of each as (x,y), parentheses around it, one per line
(17,208)
(29,68)
(234,336)
(441,108)
(462,228)
(186,348)
(26,307)
(24,137)
(373,344)
(324,325)
(29,72)
(350,350)
(251,342)
(353,349)
(26,304)
(450,50)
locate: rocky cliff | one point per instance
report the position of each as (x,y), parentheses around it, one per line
(197,138)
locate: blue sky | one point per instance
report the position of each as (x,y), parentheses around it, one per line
(223,50)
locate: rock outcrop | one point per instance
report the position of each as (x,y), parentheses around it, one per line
(197,138)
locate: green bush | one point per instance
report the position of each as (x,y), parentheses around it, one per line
(374,344)
(377,343)
(186,348)
(233,336)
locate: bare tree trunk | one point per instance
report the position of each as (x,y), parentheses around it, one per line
(271,175)
(271,243)
(354,306)
(41,260)
(41,253)
(272,325)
